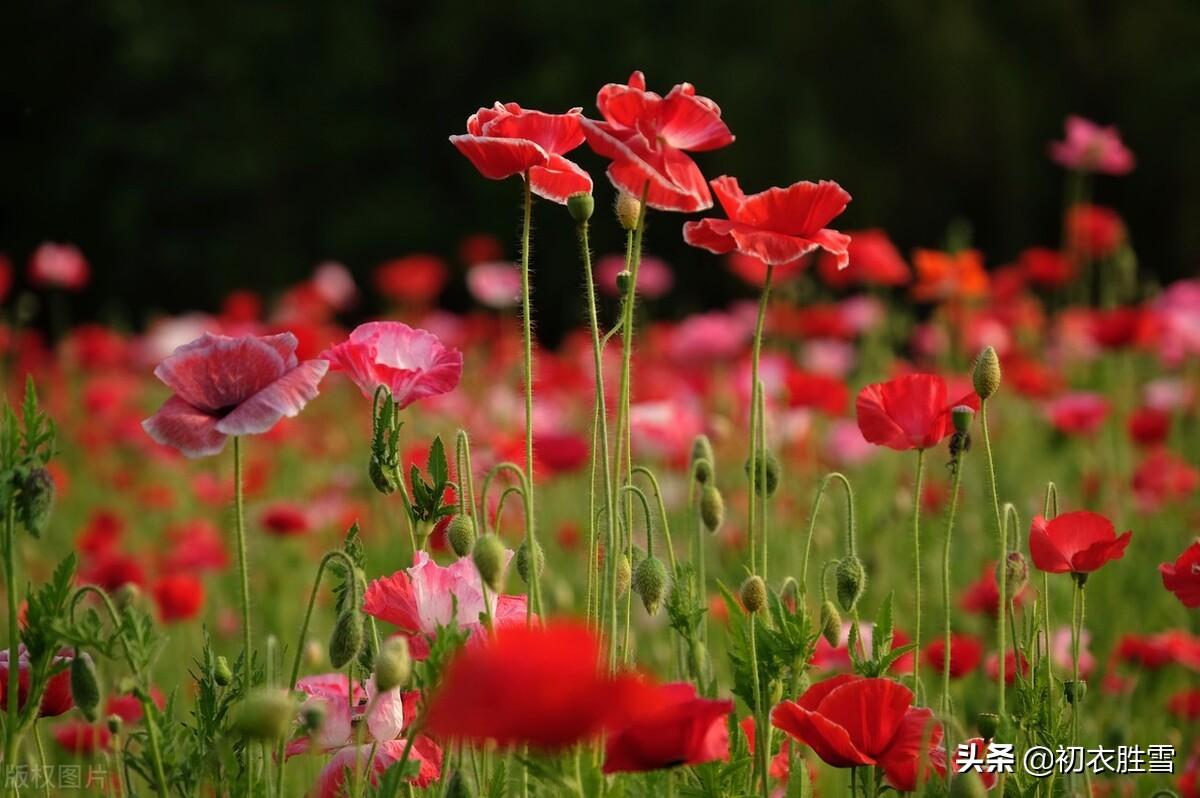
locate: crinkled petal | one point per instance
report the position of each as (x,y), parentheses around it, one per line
(906,761)
(711,234)
(554,133)
(828,740)
(498,158)
(870,710)
(559,179)
(689,123)
(215,372)
(287,396)
(193,432)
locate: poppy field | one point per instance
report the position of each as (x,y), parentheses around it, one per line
(902,522)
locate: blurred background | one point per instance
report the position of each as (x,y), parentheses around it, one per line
(189,149)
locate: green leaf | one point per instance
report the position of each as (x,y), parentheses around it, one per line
(881,640)
(437,466)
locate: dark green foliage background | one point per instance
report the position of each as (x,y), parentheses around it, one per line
(191,148)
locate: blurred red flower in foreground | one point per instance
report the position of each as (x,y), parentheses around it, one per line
(1088,147)
(58,266)
(412,364)
(778,225)
(538,685)
(671,726)
(1078,542)
(850,721)
(1182,577)
(507,140)
(230,386)
(908,412)
(646,136)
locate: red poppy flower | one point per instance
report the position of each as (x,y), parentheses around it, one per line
(1094,231)
(1182,577)
(180,597)
(851,721)
(1046,267)
(56,697)
(1079,413)
(671,726)
(646,137)
(874,260)
(781,764)
(286,519)
(81,737)
(779,225)
(538,685)
(507,140)
(982,597)
(949,275)
(992,666)
(417,279)
(966,652)
(1161,477)
(908,412)
(1149,426)
(1185,704)
(817,391)
(1078,542)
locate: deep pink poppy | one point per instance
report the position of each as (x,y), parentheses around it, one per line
(777,226)
(412,364)
(1078,542)
(1089,147)
(507,140)
(230,386)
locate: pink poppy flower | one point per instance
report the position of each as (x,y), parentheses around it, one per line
(1088,147)
(333,283)
(507,140)
(654,276)
(383,715)
(230,386)
(420,599)
(496,284)
(59,266)
(1080,413)
(412,364)
(706,338)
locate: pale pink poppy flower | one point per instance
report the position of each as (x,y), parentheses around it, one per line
(496,284)
(828,356)
(426,596)
(1060,652)
(845,444)
(230,386)
(1178,310)
(1089,147)
(862,313)
(705,338)
(383,715)
(59,266)
(412,364)
(165,335)
(665,429)
(929,340)
(773,369)
(655,278)
(334,284)
(1074,340)
(1168,393)
(1079,413)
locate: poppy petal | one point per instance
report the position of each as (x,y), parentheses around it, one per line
(498,158)
(286,396)
(183,427)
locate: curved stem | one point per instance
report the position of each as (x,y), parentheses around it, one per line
(1001,621)
(916,530)
(812,523)
(662,513)
(641,494)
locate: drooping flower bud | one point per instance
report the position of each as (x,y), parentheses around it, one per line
(1075,691)
(222,675)
(35,501)
(489,561)
(127,595)
(1015,573)
(986,374)
(581,206)
(114,723)
(702,450)
(765,460)
(712,508)
(347,638)
(831,623)
(523,561)
(851,581)
(754,593)
(461,534)
(650,582)
(85,686)
(988,723)
(962,415)
(628,208)
(393,666)
(265,714)
(624,574)
(381,477)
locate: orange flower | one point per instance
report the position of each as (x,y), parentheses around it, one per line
(949,275)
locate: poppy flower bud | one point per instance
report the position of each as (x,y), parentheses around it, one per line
(703,471)
(702,450)
(831,623)
(381,477)
(624,281)
(712,508)
(85,687)
(968,785)
(986,375)
(628,209)
(114,723)
(768,462)
(461,534)
(127,595)
(851,581)
(393,666)
(347,638)
(35,500)
(987,722)
(650,582)
(1075,691)
(962,416)
(581,206)
(523,561)
(265,714)
(489,561)
(312,717)
(222,675)
(624,574)
(754,593)
(1015,575)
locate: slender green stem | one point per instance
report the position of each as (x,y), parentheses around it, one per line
(11,737)
(1049,511)
(662,514)
(762,476)
(812,523)
(37,739)
(755,354)
(533,594)
(1001,531)
(916,535)
(954,491)
(244,575)
(759,715)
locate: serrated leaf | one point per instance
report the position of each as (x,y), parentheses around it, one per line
(881,636)
(436,464)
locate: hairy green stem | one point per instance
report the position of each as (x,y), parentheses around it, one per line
(916,535)
(812,523)
(533,592)
(755,354)
(1001,621)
